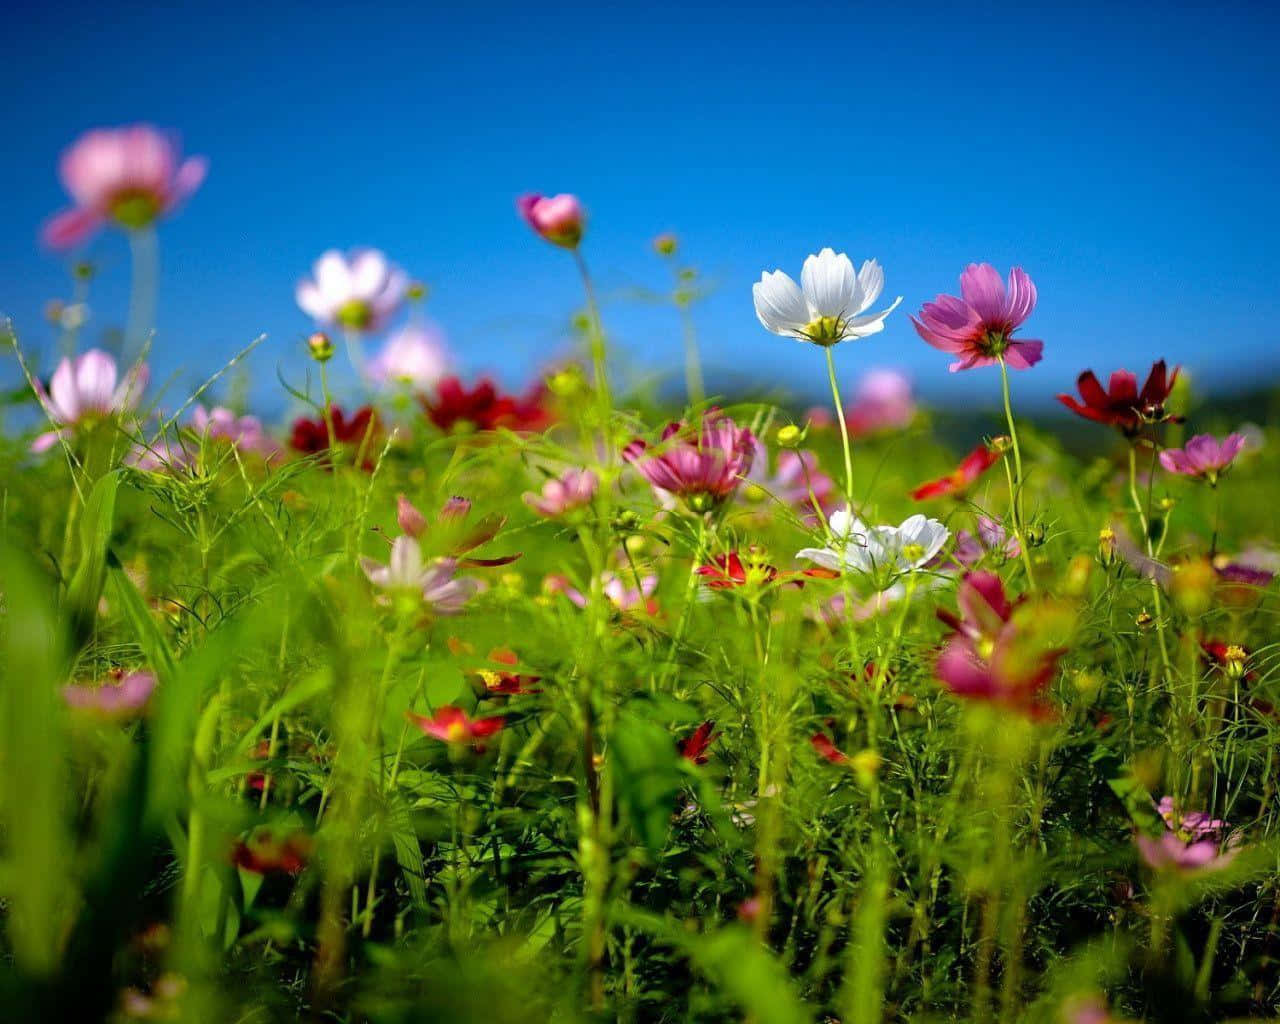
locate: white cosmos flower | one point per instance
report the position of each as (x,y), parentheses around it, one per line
(894,549)
(829,306)
(359,291)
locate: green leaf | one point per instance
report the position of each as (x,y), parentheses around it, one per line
(85,587)
(647,776)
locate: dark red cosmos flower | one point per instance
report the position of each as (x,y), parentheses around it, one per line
(311,436)
(962,477)
(484,407)
(693,748)
(1231,659)
(268,850)
(502,682)
(1121,404)
(729,571)
(826,749)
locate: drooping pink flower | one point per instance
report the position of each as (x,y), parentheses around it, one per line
(221,424)
(451,533)
(559,219)
(700,467)
(984,609)
(87,389)
(125,697)
(978,327)
(360,291)
(1204,456)
(415,357)
(130,176)
(963,476)
(453,725)
(572,490)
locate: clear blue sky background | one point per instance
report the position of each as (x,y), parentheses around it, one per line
(1128,159)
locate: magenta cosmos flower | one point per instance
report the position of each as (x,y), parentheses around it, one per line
(453,725)
(700,467)
(1203,456)
(87,389)
(979,326)
(1191,841)
(559,219)
(129,176)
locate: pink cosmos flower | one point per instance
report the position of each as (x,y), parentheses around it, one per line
(129,176)
(559,219)
(882,401)
(125,698)
(979,326)
(797,481)
(702,469)
(624,596)
(221,424)
(87,389)
(359,292)
(437,583)
(991,537)
(1192,841)
(452,725)
(1203,456)
(572,490)
(415,356)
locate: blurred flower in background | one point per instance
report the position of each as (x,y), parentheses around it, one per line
(359,292)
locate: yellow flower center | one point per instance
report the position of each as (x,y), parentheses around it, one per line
(135,208)
(826,330)
(356,314)
(457,732)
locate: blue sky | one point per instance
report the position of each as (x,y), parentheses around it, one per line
(1126,159)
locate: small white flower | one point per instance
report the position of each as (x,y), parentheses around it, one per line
(406,571)
(893,549)
(830,303)
(359,292)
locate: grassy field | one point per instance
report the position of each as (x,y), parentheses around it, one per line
(474,706)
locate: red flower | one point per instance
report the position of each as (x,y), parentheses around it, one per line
(502,683)
(726,571)
(693,748)
(311,436)
(452,725)
(266,850)
(1122,404)
(826,749)
(1231,659)
(483,407)
(971,467)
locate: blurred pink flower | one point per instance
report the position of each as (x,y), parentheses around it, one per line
(116,700)
(87,389)
(559,219)
(701,467)
(979,326)
(453,725)
(623,596)
(797,481)
(221,424)
(359,292)
(438,583)
(415,356)
(1203,456)
(573,489)
(882,401)
(130,176)
(991,538)
(1191,841)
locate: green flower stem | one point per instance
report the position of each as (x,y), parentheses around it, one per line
(1016,480)
(144,252)
(844,427)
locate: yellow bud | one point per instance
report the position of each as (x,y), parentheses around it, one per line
(665,244)
(417,291)
(790,436)
(866,766)
(320,346)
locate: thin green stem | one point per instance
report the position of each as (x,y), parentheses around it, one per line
(1016,480)
(844,427)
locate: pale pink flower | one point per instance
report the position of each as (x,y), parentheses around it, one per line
(559,219)
(1192,841)
(979,326)
(115,700)
(358,292)
(87,389)
(438,583)
(129,176)
(797,481)
(414,356)
(572,490)
(1203,456)
(221,424)
(623,595)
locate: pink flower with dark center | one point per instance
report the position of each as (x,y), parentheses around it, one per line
(452,725)
(129,176)
(979,326)
(1192,841)
(1204,456)
(572,490)
(125,698)
(85,390)
(701,468)
(559,219)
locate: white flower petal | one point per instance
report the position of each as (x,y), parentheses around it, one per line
(829,283)
(873,323)
(870,285)
(780,305)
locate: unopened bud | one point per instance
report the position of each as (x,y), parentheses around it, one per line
(1144,620)
(1001,443)
(417,291)
(83,271)
(1106,547)
(665,244)
(866,766)
(1035,535)
(320,347)
(790,436)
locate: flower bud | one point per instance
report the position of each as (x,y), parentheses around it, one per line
(866,766)
(320,346)
(1233,661)
(417,291)
(558,219)
(665,244)
(1035,534)
(1001,443)
(1106,547)
(1145,620)
(790,436)
(83,271)
(411,521)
